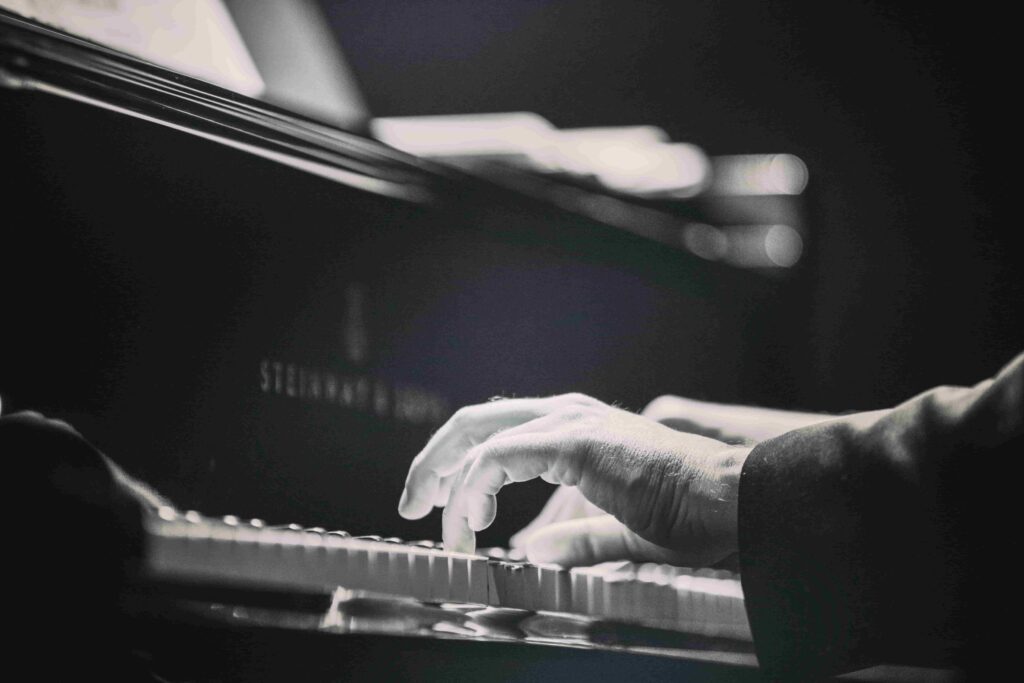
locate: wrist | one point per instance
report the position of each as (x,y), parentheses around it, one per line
(722,519)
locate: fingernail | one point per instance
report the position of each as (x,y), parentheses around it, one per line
(461,541)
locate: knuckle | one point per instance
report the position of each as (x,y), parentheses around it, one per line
(571,414)
(659,406)
(486,454)
(579,437)
(462,417)
(579,443)
(582,415)
(471,464)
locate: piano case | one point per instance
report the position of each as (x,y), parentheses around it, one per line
(264,316)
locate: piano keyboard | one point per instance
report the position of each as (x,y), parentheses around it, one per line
(192,547)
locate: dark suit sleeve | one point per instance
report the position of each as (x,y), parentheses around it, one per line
(882,536)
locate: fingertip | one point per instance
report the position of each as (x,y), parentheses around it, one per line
(403,505)
(410,508)
(481,513)
(583,541)
(521,538)
(540,553)
(418,495)
(455,532)
(549,546)
(462,540)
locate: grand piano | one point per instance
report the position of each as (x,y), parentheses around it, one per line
(264,318)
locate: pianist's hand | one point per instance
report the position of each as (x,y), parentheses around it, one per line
(734,424)
(53,457)
(672,496)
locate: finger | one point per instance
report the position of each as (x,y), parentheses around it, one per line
(593,540)
(553,511)
(420,485)
(444,490)
(578,506)
(503,460)
(455,532)
(470,426)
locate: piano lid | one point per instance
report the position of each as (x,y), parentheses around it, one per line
(36,57)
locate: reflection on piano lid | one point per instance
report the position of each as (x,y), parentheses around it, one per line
(38,58)
(192,548)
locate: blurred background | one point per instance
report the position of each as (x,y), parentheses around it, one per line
(794,204)
(899,112)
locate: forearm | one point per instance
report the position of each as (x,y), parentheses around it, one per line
(861,537)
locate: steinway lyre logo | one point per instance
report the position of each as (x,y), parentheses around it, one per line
(355,389)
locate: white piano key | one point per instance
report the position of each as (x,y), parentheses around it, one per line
(398,574)
(582,602)
(544,593)
(577,591)
(634,609)
(265,561)
(647,594)
(595,593)
(731,615)
(685,608)
(221,552)
(458,579)
(369,577)
(552,591)
(494,586)
(739,609)
(478,574)
(509,582)
(440,571)
(704,605)
(667,606)
(563,589)
(335,561)
(594,590)
(613,592)
(703,601)
(512,585)
(601,573)
(336,570)
(420,579)
(532,598)
(315,572)
(358,568)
